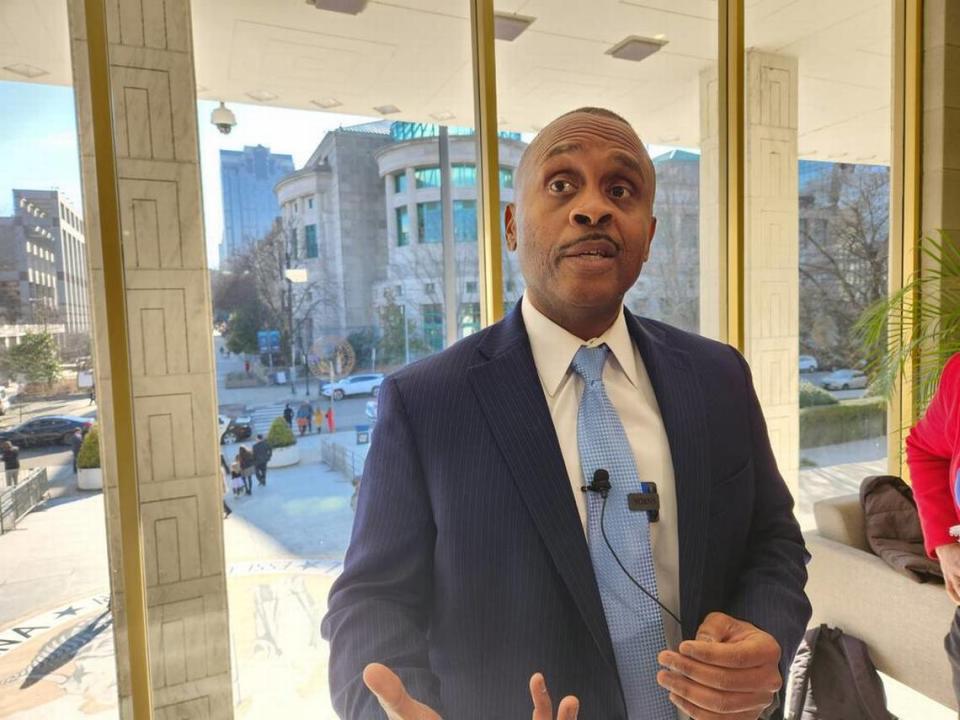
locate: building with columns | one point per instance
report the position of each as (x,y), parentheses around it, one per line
(43,262)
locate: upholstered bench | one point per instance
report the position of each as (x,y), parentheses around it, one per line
(902,622)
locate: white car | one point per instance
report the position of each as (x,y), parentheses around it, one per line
(844,379)
(808,363)
(368,384)
(4,402)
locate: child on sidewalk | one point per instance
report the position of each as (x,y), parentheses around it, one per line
(236,479)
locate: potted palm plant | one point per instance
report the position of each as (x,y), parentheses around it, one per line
(89,474)
(921,320)
(284,444)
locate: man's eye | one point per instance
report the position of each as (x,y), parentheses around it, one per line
(560,186)
(620,191)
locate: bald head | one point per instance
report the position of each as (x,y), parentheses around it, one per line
(565,127)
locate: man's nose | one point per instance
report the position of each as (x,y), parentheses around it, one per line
(593,209)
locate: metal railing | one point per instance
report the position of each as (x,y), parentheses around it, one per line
(342,459)
(20,492)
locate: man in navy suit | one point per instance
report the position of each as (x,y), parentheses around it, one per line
(468,587)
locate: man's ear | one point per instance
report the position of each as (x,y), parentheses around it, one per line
(653,232)
(510,224)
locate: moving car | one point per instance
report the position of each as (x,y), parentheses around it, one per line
(234,429)
(368,384)
(844,379)
(808,363)
(46,430)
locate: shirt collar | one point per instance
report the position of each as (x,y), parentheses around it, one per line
(553,347)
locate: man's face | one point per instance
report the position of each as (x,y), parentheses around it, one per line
(583,220)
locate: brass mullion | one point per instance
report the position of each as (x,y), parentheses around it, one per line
(121,407)
(732,171)
(488,161)
(905,194)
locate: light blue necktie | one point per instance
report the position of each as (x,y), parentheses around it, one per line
(634,620)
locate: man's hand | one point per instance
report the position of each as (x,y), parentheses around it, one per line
(730,671)
(398,705)
(949,556)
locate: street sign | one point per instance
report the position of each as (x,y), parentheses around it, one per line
(268,341)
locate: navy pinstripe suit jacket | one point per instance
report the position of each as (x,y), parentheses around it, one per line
(468,569)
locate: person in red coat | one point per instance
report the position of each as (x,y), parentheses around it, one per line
(933,455)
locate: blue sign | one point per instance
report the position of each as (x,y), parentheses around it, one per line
(268,341)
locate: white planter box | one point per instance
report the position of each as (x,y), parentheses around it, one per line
(90,479)
(284,456)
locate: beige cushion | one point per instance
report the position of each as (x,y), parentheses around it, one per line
(902,622)
(841,519)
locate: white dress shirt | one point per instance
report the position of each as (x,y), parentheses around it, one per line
(628,387)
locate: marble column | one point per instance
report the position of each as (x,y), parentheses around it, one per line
(771,254)
(170,350)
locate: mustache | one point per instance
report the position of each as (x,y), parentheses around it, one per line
(589,237)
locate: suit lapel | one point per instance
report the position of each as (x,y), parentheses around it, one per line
(684,417)
(508,389)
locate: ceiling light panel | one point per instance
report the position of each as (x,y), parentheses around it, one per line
(327,103)
(350,7)
(387,109)
(27,71)
(507,26)
(636,48)
(262,95)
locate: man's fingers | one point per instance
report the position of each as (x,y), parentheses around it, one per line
(393,696)
(763,678)
(569,708)
(722,702)
(543,705)
(717,627)
(698,713)
(756,650)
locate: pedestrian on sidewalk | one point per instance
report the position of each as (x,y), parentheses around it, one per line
(288,415)
(303,417)
(236,479)
(245,458)
(309,410)
(76,442)
(93,394)
(331,425)
(318,418)
(246,366)
(225,476)
(262,452)
(11,462)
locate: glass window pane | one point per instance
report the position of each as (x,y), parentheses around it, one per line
(464,175)
(400,182)
(427,177)
(670,103)
(429,223)
(819,139)
(403,226)
(465,220)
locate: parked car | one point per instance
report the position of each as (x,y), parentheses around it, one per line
(46,430)
(368,384)
(844,379)
(808,363)
(234,429)
(371,410)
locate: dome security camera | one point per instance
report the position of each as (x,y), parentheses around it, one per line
(223,119)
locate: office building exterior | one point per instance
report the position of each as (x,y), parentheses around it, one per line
(43,263)
(250,207)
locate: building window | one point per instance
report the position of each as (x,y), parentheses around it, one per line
(427,177)
(432,316)
(403,226)
(293,244)
(463,174)
(469,318)
(400,182)
(506,178)
(428,288)
(465,220)
(311,239)
(310,203)
(399,290)
(429,222)
(471,287)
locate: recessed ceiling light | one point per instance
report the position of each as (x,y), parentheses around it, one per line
(351,7)
(387,109)
(262,95)
(28,71)
(507,26)
(443,115)
(636,48)
(327,103)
